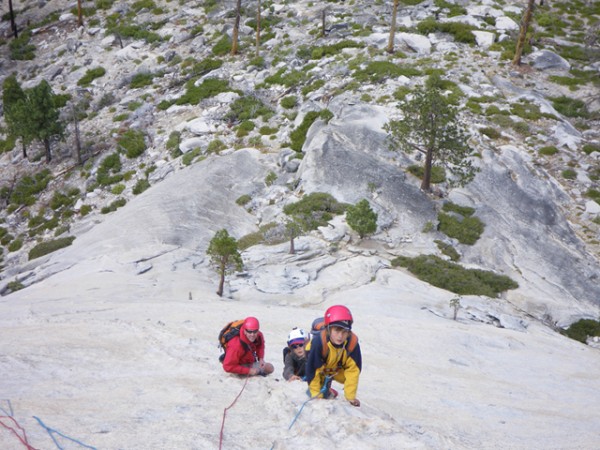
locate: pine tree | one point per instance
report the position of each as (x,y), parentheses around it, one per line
(236,28)
(525,22)
(293,227)
(431,126)
(43,116)
(13,25)
(224,256)
(15,115)
(361,218)
(390,47)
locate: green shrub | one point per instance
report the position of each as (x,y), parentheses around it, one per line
(21,49)
(298,136)
(15,245)
(15,286)
(289,102)
(85,210)
(594,194)
(118,203)
(8,144)
(245,128)
(243,199)
(438,174)
(572,82)
(333,50)
(588,149)
(132,106)
(120,117)
(315,210)
(401,92)
(132,143)
(267,131)
(570,107)
(28,186)
(215,146)
(317,84)
(526,110)
(361,218)
(173,144)
(461,32)
(455,278)
(490,132)
(264,235)
(106,100)
(143,79)
(49,224)
(6,239)
(447,250)
(91,75)
(548,150)
(582,329)
(494,110)
(455,10)
(141,185)
(287,78)
(134,31)
(208,88)
(379,71)
(104,4)
(270,178)
(60,200)
(223,46)
(44,248)
(108,171)
(466,231)
(190,156)
(205,66)
(117,189)
(257,61)
(569,174)
(521,127)
(465,211)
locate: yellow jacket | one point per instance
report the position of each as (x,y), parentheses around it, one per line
(343,366)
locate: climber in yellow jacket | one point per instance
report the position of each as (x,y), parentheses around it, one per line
(334,355)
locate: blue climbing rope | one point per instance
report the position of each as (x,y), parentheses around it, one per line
(322,392)
(299,411)
(51,431)
(10,414)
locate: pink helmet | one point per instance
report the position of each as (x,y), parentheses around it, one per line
(339,316)
(251,323)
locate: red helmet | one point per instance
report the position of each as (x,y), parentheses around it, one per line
(251,323)
(340,316)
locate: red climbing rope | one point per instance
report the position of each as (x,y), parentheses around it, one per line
(225,412)
(23,438)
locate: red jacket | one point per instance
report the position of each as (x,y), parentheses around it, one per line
(241,353)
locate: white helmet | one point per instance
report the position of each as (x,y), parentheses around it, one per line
(297,336)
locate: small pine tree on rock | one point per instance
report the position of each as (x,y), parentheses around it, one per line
(361,218)
(224,256)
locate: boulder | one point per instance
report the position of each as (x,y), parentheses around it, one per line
(546,59)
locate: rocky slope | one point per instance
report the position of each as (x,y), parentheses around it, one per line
(541,227)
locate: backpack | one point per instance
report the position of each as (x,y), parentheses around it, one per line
(227,333)
(318,327)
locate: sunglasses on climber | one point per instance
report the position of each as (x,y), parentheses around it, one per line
(251,331)
(295,346)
